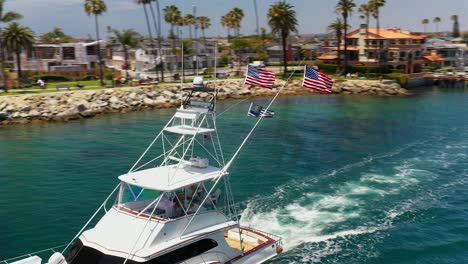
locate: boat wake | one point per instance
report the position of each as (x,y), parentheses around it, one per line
(318,223)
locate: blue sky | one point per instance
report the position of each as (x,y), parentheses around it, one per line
(313,15)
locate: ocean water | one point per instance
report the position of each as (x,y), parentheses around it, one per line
(343,179)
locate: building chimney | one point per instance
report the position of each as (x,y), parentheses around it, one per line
(363,29)
(362,42)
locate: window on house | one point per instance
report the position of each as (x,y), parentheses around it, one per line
(68,53)
(91,50)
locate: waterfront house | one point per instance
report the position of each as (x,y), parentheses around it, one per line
(393,48)
(452,53)
(61,57)
(146,59)
(275,52)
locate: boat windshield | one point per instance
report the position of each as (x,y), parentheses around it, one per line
(167,205)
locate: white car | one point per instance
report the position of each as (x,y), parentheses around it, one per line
(258,64)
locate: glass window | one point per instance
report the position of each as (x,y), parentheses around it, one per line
(80,255)
(91,50)
(68,53)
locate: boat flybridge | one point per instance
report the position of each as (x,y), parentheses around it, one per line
(174,205)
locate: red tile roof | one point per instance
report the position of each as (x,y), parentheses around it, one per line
(382,33)
(327,57)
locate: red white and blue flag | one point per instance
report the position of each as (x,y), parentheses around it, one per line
(317,80)
(260,77)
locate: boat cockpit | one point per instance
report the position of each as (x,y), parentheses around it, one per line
(167,205)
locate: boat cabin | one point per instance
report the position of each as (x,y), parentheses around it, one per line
(178,191)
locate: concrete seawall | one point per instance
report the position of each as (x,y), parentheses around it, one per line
(64,106)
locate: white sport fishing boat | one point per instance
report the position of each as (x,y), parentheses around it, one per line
(174,205)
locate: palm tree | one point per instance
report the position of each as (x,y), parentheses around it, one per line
(127,38)
(236,15)
(189,20)
(337,27)
(226,23)
(282,20)
(146,3)
(203,23)
(172,16)
(5,18)
(375,6)
(18,38)
(366,11)
(437,21)
(456,26)
(345,8)
(97,8)
(157,28)
(425,22)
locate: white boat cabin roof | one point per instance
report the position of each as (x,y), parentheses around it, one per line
(171,177)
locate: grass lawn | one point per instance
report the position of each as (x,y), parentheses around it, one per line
(51,87)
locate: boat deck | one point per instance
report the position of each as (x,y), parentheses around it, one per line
(235,243)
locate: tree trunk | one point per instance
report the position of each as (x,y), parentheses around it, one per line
(151,36)
(18,64)
(174,48)
(149,31)
(204,37)
(338,43)
(379,54)
(126,62)
(2,60)
(159,40)
(285,56)
(345,20)
(256,18)
(101,72)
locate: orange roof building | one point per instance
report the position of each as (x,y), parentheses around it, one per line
(392,47)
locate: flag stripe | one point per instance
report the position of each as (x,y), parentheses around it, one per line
(317,80)
(260,77)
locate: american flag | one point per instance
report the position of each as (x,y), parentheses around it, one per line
(260,77)
(317,80)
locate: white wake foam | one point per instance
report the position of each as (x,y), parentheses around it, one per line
(317,217)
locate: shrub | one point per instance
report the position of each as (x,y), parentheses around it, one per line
(261,57)
(224,60)
(51,77)
(327,68)
(89,77)
(109,74)
(400,78)
(429,68)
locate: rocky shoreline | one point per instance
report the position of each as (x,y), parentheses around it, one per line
(64,106)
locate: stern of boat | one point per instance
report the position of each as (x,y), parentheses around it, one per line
(257,246)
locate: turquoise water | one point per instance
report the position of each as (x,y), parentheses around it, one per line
(343,179)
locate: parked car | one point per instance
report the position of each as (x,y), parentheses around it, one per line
(258,64)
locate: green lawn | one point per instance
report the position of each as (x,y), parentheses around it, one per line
(51,87)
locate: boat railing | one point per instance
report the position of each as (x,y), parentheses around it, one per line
(278,240)
(50,250)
